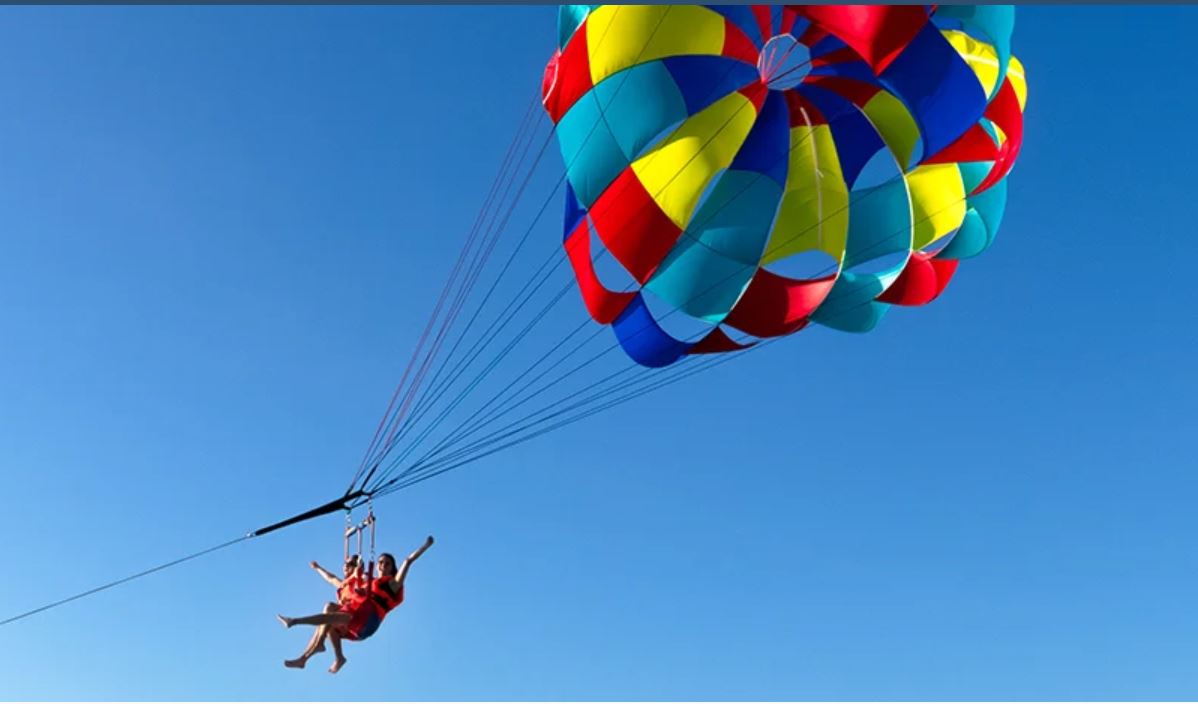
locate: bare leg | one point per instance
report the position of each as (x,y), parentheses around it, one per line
(337,618)
(338,656)
(316,644)
(309,651)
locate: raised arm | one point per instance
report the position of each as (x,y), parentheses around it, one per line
(407,563)
(326,575)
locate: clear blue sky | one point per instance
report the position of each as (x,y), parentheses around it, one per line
(222,228)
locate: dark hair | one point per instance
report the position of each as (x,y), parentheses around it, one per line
(389,556)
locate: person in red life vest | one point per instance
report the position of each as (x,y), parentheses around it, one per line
(364,618)
(351,590)
(351,586)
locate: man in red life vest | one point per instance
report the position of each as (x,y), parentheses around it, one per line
(351,590)
(363,617)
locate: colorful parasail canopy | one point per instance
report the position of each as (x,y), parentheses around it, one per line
(758,168)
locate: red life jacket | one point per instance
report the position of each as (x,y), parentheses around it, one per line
(381,596)
(352,591)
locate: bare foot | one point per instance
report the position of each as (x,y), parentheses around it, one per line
(337,665)
(285,621)
(297,663)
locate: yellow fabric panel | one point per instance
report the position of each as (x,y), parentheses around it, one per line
(937,202)
(895,124)
(980,56)
(814,213)
(983,59)
(677,171)
(619,36)
(1018,81)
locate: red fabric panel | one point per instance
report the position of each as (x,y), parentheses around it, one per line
(839,56)
(603,305)
(921,281)
(1004,112)
(634,229)
(775,305)
(856,92)
(717,341)
(974,145)
(811,35)
(762,14)
(737,45)
(878,33)
(549,80)
(756,93)
(796,104)
(568,76)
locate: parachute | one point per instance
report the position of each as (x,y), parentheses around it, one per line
(763,168)
(756,168)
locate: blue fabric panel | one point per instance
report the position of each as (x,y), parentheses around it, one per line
(574,213)
(856,70)
(767,148)
(827,45)
(591,153)
(991,203)
(639,104)
(708,269)
(970,240)
(938,87)
(801,24)
(568,19)
(702,80)
(995,22)
(643,339)
(856,139)
(879,222)
(983,217)
(850,306)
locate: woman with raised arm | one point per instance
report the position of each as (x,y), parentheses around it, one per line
(361,621)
